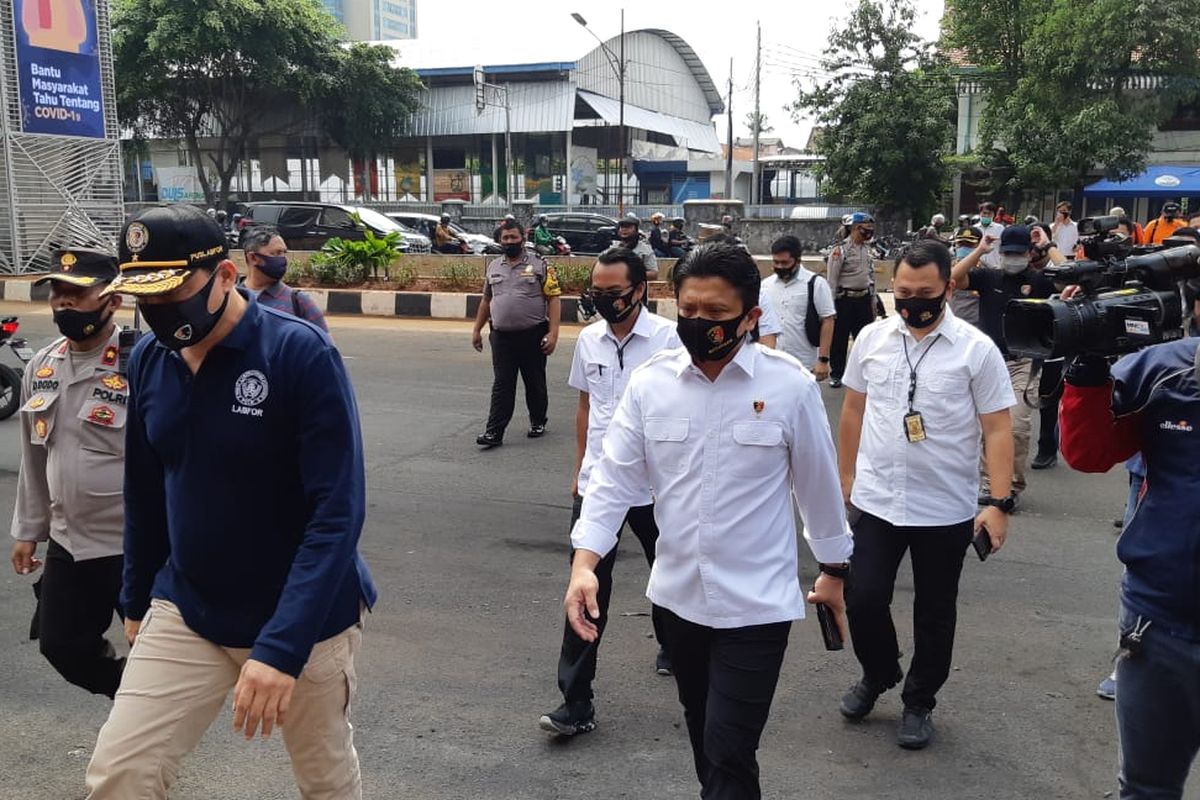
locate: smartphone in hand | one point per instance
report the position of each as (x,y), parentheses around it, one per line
(829,628)
(982,543)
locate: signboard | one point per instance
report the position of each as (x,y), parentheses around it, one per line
(58,67)
(451,184)
(408,180)
(179,185)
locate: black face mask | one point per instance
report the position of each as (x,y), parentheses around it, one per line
(183,324)
(629,239)
(514,250)
(614,308)
(920,312)
(80,325)
(784,275)
(707,339)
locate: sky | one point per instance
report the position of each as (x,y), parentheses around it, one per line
(794,34)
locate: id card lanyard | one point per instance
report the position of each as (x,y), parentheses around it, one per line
(914,424)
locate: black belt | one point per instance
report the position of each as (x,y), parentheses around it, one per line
(854,293)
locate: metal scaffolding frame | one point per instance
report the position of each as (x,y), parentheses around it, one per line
(60,190)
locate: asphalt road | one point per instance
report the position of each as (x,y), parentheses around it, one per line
(470,553)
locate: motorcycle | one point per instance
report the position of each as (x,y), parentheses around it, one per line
(558,247)
(10,378)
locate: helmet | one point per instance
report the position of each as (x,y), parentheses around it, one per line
(678,222)
(509,216)
(629,219)
(727,220)
(657,217)
(860,218)
(1030,220)
(222,216)
(542,219)
(212,212)
(445,218)
(846,218)
(938,220)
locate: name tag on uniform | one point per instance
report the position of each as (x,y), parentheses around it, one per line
(914,427)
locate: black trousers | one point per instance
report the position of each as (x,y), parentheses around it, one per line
(77,601)
(726,680)
(518,352)
(937,559)
(1050,393)
(577,659)
(853,314)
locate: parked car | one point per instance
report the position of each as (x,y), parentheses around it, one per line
(308,226)
(585,233)
(425,223)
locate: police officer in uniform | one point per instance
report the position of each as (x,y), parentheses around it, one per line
(72,466)
(851,276)
(520,303)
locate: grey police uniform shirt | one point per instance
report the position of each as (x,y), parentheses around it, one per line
(518,292)
(851,266)
(73,417)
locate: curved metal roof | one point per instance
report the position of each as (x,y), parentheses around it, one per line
(715,103)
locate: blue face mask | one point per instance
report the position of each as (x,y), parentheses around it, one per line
(274,267)
(962,253)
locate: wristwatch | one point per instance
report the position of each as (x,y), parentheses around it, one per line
(840,571)
(1005,504)
(823,359)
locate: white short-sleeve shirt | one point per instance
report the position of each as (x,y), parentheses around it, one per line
(769,323)
(601,367)
(935,481)
(790,299)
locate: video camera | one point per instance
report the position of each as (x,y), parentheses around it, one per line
(1130,298)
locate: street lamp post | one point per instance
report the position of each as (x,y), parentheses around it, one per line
(618,66)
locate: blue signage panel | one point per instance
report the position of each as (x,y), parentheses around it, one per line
(58,67)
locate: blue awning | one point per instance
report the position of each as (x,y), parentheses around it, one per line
(1165,180)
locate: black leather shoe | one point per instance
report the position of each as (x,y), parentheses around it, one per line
(536,431)
(916,729)
(1044,460)
(570,719)
(662,663)
(859,701)
(835,383)
(489,440)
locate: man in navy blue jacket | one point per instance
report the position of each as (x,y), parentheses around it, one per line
(244,501)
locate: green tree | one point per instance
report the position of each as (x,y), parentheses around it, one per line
(368,104)
(222,71)
(1077,84)
(885,109)
(763,124)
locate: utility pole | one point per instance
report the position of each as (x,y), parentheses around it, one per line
(729,137)
(756,188)
(624,144)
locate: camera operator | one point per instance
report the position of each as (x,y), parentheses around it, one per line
(1149,402)
(1017,277)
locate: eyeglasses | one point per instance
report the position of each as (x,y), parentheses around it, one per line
(591,292)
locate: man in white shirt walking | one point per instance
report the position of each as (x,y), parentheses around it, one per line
(920,387)
(790,290)
(606,354)
(723,431)
(1064,231)
(989,227)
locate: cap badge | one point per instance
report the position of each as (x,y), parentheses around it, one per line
(67,261)
(44,372)
(137,236)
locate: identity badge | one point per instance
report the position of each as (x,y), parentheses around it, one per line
(914,426)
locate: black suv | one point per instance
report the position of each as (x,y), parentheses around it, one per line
(308,226)
(586,233)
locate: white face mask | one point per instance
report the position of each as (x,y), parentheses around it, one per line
(1014,264)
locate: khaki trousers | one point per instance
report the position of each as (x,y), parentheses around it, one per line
(1019,372)
(175,684)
